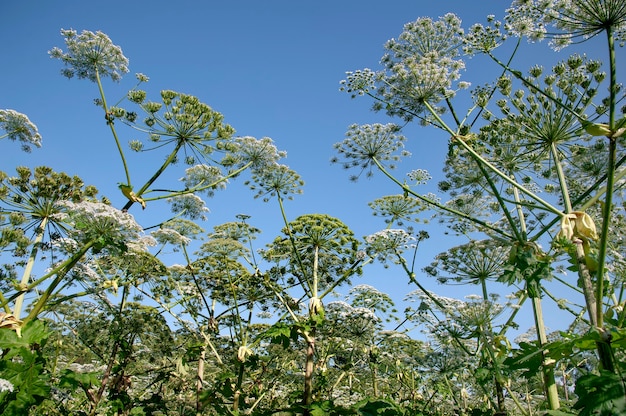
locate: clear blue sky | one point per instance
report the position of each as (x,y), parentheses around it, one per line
(271,67)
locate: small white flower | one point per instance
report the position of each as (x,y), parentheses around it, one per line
(18,127)
(191,205)
(90,55)
(6,385)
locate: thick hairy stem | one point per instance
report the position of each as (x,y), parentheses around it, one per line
(61,272)
(17,309)
(550,387)
(200,378)
(112,359)
(309,369)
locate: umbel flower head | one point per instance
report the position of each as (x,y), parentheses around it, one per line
(574,20)
(387,245)
(276,181)
(18,127)
(98,221)
(90,55)
(369,144)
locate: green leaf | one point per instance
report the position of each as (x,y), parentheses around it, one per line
(601,394)
(73,380)
(279,333)
(378,408)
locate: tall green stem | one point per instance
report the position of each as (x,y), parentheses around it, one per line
(549,383)
(437,205)
(608,199)
(156,175)
(481,160)
(41,229)
(109,120)
(60,275)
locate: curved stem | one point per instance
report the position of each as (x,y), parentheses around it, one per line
(156,175)
(437,205)
(109,120)
(489,165)
(200,187)
(305,284)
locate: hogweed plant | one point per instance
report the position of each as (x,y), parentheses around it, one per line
(527,134)
(18,127)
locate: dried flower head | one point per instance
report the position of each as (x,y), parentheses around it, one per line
(90,55)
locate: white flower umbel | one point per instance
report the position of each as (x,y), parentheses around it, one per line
(18,127)
(260,152)
(90,55)
(190,205)
(387,244)
(99,221)
(170,236)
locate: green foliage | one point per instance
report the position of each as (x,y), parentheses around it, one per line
(601,394)
(24,365)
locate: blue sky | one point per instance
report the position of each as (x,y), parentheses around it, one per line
(271,67)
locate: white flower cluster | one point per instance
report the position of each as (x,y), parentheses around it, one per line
(90,55)
(18,127)
(170,236)
(358,82)
(260,152)
(200,176)
(190,205)
(96,220)
(573,19)
(419,176)
(388,244)
(6,385)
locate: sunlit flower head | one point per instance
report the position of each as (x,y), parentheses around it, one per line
(101,222)
(18,127)
(261,153)
(421,65)
(571,20)
(484,38)
(6,385)
(358,82)
(90,55)
(206,177)
(369,144)
(397,208)
(189,205)
(387,245)
(277,180)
